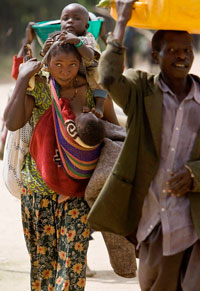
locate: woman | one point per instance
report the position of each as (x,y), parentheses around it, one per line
(56,233)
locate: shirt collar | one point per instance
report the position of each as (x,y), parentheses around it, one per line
(194,91)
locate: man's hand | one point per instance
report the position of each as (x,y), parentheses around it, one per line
(124,9)
(124,12)
(180,183)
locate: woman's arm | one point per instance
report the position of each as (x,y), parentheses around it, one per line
(20,106)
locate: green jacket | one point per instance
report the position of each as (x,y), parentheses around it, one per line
(119,205)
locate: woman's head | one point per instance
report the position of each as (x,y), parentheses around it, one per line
(63,63)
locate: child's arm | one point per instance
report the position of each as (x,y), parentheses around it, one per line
(49,41)
(20,106)
(85,51)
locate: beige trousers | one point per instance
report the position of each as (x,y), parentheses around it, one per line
(180,272)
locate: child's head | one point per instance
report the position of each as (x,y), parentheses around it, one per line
(75,19)
(63,63)
(90,129)
(173,51)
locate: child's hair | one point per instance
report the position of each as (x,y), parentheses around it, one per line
(158,38)
(66,48)
(90,129)
(77,5)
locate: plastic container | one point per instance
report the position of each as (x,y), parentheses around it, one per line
(164,14)
(44,28)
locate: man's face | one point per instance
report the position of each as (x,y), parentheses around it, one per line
(176,55)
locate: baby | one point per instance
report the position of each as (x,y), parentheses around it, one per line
(90,129)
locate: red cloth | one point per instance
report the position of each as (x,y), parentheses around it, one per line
(15,67)
(67,113)
(42,148)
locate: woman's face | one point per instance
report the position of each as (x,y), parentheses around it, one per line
(64,67)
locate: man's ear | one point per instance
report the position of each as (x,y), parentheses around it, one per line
(154,55)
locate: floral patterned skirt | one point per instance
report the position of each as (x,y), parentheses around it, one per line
(57,238)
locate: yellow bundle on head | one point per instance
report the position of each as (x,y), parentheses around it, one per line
(162,14)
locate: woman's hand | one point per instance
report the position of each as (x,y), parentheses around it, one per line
(30,33)
(29,68)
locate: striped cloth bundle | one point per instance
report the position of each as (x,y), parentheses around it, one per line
(77,159)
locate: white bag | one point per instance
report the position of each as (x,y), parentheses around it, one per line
(16,147)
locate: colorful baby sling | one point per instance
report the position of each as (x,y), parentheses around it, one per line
(78,159)
(63,161)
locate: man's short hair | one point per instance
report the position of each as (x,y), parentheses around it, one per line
(158,38)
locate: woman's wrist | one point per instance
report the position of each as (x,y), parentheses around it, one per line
(27,41)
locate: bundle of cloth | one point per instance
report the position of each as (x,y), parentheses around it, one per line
(121,252)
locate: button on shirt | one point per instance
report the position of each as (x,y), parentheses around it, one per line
(181,123)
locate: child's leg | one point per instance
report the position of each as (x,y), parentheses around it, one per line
(99,107)
(72,243)
(108,108)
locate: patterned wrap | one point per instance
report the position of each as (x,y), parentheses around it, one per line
(57,238)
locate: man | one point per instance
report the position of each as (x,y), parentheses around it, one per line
(153,193)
